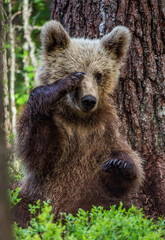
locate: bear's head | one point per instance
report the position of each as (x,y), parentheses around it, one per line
(100,60)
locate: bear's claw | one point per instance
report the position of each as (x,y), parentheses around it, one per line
(73,80)
(125,169)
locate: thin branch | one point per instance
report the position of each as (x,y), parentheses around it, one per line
(12,68)
(4,13)
(32,27)
(27,32)
(26,64)
(6,95)
(16,14)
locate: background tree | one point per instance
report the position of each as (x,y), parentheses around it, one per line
(21,40)
(140,94)
(23,21)
(4,213)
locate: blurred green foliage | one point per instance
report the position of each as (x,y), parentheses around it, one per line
(15,171)
(40,14)
(13,197)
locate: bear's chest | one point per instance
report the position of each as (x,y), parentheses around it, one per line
(83,149)
(85,146)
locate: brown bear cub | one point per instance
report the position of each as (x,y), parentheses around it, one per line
(68,135)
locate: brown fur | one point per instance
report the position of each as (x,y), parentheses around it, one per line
(63,146)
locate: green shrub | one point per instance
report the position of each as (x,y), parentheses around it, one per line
(13,197)
(97,224)
(15,173)
(42,226)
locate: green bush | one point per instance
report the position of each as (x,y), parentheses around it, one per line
(13,197)
(97,224)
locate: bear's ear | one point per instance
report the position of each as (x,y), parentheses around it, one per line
(117,42)
(53,36)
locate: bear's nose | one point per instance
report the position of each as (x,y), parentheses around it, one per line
(88,102)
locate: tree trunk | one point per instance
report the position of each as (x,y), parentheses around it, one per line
(4,213)
(7,124)
(140,93)
(12,68)
(29,45)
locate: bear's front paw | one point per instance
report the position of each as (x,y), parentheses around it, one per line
(71,82)
(124,168)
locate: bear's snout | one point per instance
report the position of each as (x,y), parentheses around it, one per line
(88,102)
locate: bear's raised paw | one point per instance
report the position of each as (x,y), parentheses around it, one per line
(124,168)
(72,81)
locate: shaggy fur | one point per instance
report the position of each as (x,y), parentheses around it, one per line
(74,156)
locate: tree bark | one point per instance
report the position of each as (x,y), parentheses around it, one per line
(4,211)
(140,94)
(29,44)
(7,124)
(12,68)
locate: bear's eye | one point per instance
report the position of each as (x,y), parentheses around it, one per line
(98,76)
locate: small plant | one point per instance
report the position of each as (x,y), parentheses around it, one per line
(13,197)
(97,224)
(42,226)
(15,170)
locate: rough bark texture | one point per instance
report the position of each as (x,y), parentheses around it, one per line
(140,94)
(4,214)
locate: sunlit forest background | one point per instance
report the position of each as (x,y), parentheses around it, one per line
(22,21)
